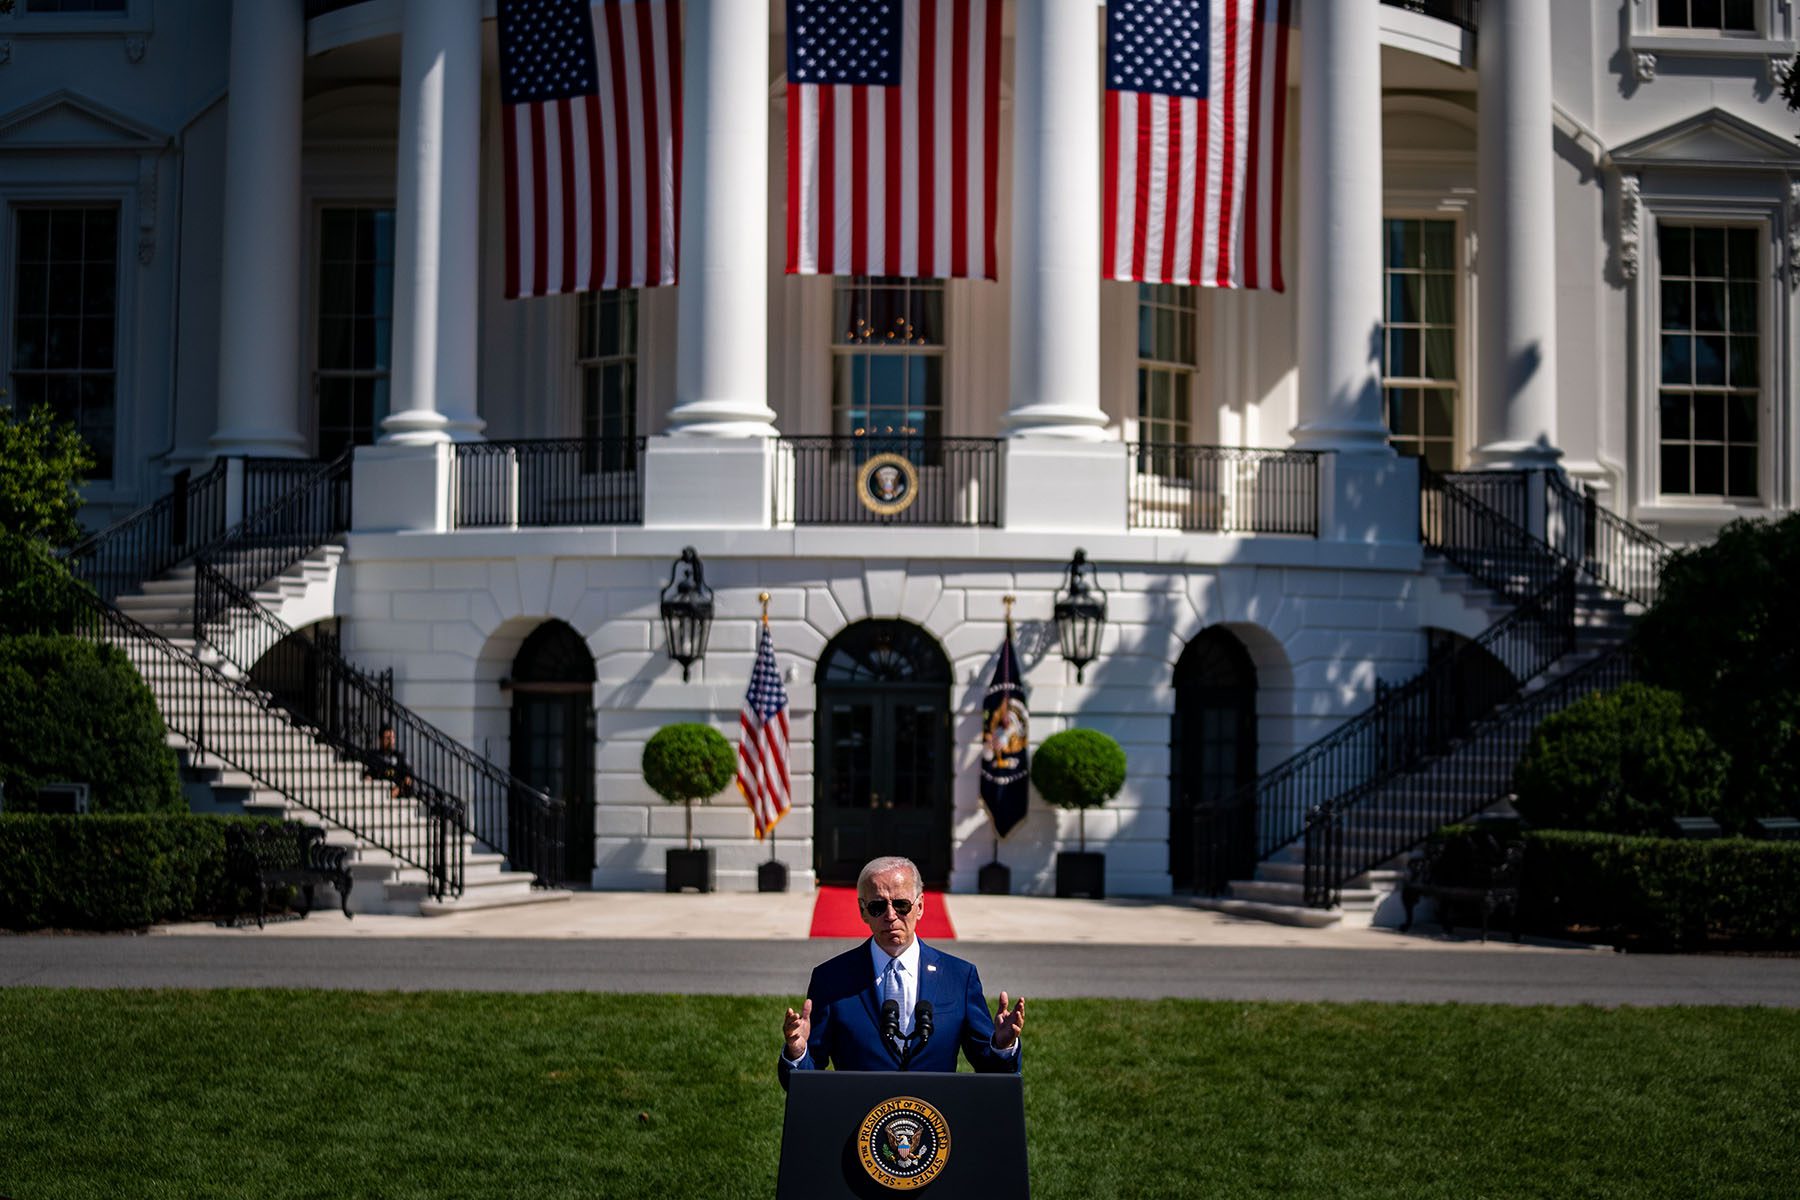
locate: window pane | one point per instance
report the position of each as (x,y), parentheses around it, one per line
(1146,331)
(1674,416)
(1677,307)
(1405,353)
(1705,14)
(1709,305)
(1440,299)
(1165,335)
(1709,417)
(1438,245)
(65,289)
(29,338)
(34,235)
(31,289)
(1741,253)
(1396,243)
(1740,16)
(1740,466)
(1440,354)
(1709,251)
(1403,298)
(63,345)
(1741,418)
(1744,369)
(97,345)
(1709,470)
(1675,477)
(1677,358)
(928,316)
(1709,360)
(1741,298)
(1438,404)
(1671,12)
(1674,249)
(887,391)
(1403,416)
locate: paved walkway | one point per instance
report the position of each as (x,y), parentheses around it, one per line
(749,943)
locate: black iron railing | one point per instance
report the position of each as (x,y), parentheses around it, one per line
(1353,834)
(1483,540)
(1503,491)
(278,535)
(843,480)
(1464,14)
(346,708)
(267,480)
(549,481)
(231,722)
(158,536)
(1224,489)
(1602,545)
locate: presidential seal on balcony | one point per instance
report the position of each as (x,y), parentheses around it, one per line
(903,1143)
(887,484)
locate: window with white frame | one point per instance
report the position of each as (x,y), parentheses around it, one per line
(1419,325)
(1721,16)
(65,319)
(1168,366)
(355,326)
(608,366)
(1709,393)
(887,379)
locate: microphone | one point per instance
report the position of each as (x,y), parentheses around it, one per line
(922,1022)
(890,1021)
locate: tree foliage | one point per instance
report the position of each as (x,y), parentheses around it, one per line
(1078,768)
(1624,761)
(1725,634)
(42,462)
(688,762)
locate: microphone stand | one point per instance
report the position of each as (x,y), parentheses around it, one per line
(915,1041)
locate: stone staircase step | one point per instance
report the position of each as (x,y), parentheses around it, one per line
(474,900)
(1279,914)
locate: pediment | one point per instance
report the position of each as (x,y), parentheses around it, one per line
(1714,138)
(66,120)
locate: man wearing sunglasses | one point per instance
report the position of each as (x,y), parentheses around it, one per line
(840,1022)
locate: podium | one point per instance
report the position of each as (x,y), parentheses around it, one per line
(872,1134)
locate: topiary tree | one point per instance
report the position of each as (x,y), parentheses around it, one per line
(688,762)
(1623,761)
(1078,769)
(74,711)
(1725,633)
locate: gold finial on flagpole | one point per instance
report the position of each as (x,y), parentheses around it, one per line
(1009,601)
(764,598)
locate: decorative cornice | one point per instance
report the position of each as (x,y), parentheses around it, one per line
(1630,225)
(134,49)
(1643,64)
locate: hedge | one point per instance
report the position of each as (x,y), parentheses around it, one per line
(1663,892)
(112,872)
(72,710)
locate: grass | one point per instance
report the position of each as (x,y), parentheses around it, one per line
(288,1094)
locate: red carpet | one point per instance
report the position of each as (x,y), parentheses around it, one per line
(835,916)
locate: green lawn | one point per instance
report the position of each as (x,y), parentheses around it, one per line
(280,1093)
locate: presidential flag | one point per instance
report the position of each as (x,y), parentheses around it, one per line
(763,740)
(893,128)
(591,127)
(1005,737)
(1196,106)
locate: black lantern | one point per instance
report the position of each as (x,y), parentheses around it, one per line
(687,611)
(1080,615)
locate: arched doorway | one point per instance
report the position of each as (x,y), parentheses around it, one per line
(552,684)
(1212,753)
(882,751)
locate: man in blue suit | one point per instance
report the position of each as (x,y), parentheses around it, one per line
(840,1022)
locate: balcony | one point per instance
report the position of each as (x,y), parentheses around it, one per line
(1224,489)
(548,482)
(1460,13)
(886,480)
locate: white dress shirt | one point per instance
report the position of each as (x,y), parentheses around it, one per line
(909,978)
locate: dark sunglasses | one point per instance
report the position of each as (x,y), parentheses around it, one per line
(878,906)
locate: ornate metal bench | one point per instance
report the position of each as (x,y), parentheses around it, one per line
(289,854)
(1480,869)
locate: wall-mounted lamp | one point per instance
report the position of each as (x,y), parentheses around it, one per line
(687,611)
(1080,615)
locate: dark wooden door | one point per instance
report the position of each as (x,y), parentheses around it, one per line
(884,780)
(553,751)
(1212,835)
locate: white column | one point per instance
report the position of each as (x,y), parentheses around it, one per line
(1340,228)
(1056,222)
(1516,256)
(722,320)
(437,210)
(259,320)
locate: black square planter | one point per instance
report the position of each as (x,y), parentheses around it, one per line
(771,877)
(1079,874)
(688,870)
(995,879)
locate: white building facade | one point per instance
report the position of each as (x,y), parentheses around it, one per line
(1520,236)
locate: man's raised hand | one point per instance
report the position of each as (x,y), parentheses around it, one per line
(797,1029)
(1008,1023)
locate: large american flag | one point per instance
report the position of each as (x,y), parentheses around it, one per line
(591,121)
(893,127)
(1196,105)
(763,740)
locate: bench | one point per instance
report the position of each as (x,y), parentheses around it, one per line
(1478,869)
(289,854)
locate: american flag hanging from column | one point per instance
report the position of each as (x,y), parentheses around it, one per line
(763,741)
(591,124)
(893,128)
(1196,107)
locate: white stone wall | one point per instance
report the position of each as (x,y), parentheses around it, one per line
(449,612)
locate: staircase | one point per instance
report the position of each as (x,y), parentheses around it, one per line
(1333,821)
(273,722)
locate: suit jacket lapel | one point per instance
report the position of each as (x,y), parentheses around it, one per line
(931,986)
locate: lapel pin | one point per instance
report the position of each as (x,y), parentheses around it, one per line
(931,966)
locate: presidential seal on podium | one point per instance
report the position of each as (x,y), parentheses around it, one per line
(903,1143)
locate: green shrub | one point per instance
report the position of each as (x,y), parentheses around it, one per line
(42,461)
(688,762)
(112,872)
(1078,769)
(72,710)
(37,593)
(1725,633)
(1664,892)
(1623,761)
